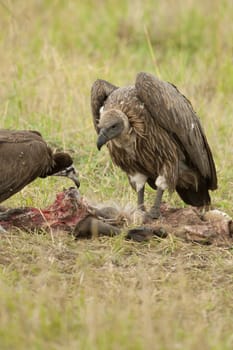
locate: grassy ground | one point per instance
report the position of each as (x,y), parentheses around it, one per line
(57,293)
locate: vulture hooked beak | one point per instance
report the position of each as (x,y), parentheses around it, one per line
(102,139)
(71,173)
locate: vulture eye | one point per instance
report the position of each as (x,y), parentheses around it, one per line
(114,126)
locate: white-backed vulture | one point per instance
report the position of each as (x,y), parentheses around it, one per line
(24,156)
(154,135)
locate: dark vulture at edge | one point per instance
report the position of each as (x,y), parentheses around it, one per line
(154,135)
(24,156)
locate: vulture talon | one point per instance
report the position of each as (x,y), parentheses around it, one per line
(154,135)
(142,207)
(154,213)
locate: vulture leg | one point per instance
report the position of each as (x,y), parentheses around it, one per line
(141,199)
(154,212)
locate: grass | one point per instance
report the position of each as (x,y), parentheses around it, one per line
(58,293)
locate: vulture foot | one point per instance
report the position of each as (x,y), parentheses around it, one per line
(153,214)
(142,207)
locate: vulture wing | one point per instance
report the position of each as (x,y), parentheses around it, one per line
(24,156)
(173,112)
(100,91)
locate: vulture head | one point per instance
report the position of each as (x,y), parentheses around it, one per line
(61,160)
(113,124)
(63,166)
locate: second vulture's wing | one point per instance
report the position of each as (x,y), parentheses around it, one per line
(100,91)
(174,113)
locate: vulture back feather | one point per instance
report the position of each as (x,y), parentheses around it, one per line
(175,114)
(100,91)
(24,157)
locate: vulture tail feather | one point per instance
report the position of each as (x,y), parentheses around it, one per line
(195,198)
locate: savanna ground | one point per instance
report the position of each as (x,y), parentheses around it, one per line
(58,293)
